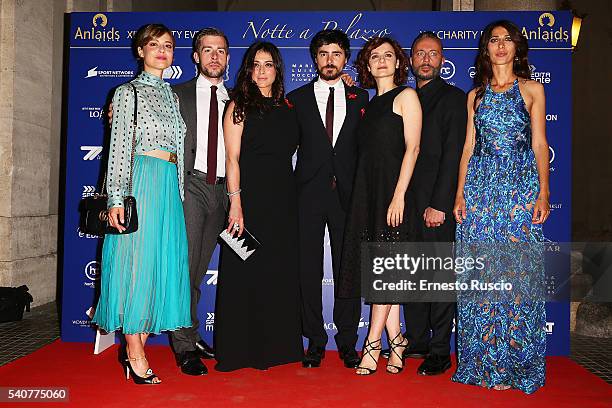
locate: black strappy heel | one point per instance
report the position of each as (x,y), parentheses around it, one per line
(368,348)
(392,347)
(149,375)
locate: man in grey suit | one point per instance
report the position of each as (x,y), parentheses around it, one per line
(202,102)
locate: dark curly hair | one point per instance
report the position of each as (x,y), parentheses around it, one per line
(326,37)
(365,78)
(246,95)
(484,71)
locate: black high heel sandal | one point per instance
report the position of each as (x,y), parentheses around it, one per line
(368,348)
(392,347)
(149,375)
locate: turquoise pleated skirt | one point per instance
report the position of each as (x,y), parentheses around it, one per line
(145,274)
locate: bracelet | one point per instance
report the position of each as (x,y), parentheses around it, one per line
(233,193)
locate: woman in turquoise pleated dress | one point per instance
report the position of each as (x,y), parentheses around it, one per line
(145,275)
(502,202)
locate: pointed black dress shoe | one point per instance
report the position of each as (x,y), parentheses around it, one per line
(204,350)
(434,365)
(349,356)
(313,357)
(191,364)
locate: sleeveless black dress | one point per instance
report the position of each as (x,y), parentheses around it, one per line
(257,319)
(381,152)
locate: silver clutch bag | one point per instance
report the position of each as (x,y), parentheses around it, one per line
(243,246)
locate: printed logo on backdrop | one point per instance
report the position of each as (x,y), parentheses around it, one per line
(210,321)
(549,327)
(82,322)
(94,112)
(110,73)
(93,152)
(305,72)
(552,158)
(92,272)
(98,31)
(542,77)
(447,71)
(411,79)
(330,326)
(457,34)
(84,235)
(88,191)
(472,72)
(271,29)
(213,277)
(172,72)
(546,30)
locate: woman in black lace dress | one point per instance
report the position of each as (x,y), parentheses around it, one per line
(389,137)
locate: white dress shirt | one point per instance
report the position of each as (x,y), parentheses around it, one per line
(321,90)
(203,111)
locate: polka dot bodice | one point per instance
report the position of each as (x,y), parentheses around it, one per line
(159,125)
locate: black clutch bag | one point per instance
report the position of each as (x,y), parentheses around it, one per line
(94,215)
(94,209)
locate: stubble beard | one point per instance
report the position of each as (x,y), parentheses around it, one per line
(435,72)
(212,74)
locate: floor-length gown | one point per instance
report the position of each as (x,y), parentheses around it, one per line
(145,274)
(381,151)
(502,341)
(257,321)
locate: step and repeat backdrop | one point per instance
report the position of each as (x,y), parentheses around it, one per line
(101,58)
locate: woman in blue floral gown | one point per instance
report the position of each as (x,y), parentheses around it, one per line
(502,200)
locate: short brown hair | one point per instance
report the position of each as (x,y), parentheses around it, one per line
(365,78)
(148,32)
(208,31)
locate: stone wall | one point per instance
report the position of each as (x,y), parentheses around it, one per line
(30,112)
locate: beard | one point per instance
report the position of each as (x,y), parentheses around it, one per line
(334,74)
(435,72)
(212,73)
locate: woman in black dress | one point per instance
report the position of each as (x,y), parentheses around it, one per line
(389,136)
(257,313)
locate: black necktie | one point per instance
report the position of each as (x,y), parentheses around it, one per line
(329,116)
(213,131)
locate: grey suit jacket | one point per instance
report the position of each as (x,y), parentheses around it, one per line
(187,104)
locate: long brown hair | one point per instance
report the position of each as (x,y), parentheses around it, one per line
(246,94)
(484,71)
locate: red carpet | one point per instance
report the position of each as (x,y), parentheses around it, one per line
(96,381)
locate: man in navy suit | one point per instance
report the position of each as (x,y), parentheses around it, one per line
(328,113)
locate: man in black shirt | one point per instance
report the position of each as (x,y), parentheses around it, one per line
(432,192)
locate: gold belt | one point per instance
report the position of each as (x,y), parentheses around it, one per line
(162,154)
